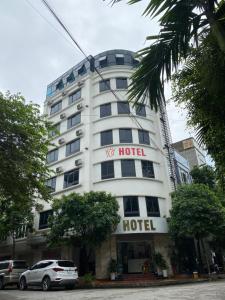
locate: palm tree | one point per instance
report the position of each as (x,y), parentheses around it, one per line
(183,25)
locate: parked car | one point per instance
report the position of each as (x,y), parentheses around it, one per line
(10,271)
(50,273)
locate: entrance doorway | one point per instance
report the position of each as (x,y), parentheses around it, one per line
(134,256)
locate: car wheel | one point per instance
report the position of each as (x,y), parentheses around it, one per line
(1,283)
(23,284)
(46,283)
(70,286)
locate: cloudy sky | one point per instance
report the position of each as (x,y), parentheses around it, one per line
(35,51)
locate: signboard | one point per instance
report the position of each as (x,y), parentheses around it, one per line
(142,225)
(124,151)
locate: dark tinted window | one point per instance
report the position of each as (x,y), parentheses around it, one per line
(19,264)
(55,131)
(56,107)
(65,263)
(140,110)
(125,135)
(103,62)
(52,156)
(143,136)
(131,206)
(44,264)
(73,120)
(71,178)
(43,221)
(105,110)
(4,265)
(51,183)
(121,83)
(104,85)
(147,169)
(73,147)
(152,205)
(106,137)
(107,169)
(123,107)
(70,78)
(82,70)
(75,96)
(128,168)
(59,85)
(120,60)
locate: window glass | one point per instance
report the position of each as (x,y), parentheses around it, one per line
(103,62)
(56,107)
(143,136)
(131,206)
(107,169)
(73,120)
(51,183)
(52,156)
(121,83)
(71,178)
(119,60)
(60,85)
(106,137)
(4,265)
(125,135)
(73,147)
(82,70)
(19,264)
(152,206)
(105,110)
(140,110)
(55,131)
(43,221)
(123,107)
(70,78)
(104,85)
(147,169)
(75,96)
(45,264)
(66,263)
(128,168)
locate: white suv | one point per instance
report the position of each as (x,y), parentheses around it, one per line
(49,273)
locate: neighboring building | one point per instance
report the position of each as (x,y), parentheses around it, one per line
(182,168)
(190,150)
(107,145)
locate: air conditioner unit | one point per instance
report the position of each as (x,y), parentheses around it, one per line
(50,102)
(79,132)
(80,83)
(79,106)
(59,170)
(61,141)
(78,162)
(62,116)
(64,93)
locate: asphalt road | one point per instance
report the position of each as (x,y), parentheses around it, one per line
(198,291)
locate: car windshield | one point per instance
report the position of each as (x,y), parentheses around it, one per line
(65,263)
(19,265)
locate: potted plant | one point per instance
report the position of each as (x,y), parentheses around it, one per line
(161,264)
(112,269)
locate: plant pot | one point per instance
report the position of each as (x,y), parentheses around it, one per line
(165,273)
(113,276)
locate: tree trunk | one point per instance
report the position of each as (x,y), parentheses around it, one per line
(13,245)
(199,256)
(206,257)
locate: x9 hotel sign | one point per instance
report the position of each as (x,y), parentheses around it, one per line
(124,151)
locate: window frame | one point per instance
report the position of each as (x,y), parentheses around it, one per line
(119,106)
(68,147)
(56,150)
(124,168)
(131,213)
(52,188)
(109,164)
(70,120)
(104,85)
(57,104)
(108,111)
(44,225)
(73,96)
(53,132)
(68,173)
(122,136)
(154,212)
(102,137)
(141,110)
(120,83)
(144,133)
(146,172)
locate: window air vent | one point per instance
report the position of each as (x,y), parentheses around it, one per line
(79,132)
(59,170)
(61,141)
(62,116)
(79,106)
(78,162)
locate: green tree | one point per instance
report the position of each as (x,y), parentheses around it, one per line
(84,220)
(204,175)
(23,148)
(196,212)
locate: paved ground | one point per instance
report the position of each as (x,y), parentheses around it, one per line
(198,291)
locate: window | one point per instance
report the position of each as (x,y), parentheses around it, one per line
(73,147)
(119,59)
(121,83)
(152,206)
(71,178)
(123,107)
(43,221)
(128,168)
(106,137)
(131,206)
(82,70)
(51,184)
(184,177)
(107,169)
(105,110)
(56,107)
(55,131)
(60,85)
(143,136)
(147,169)
(125,135)
(75,96)
(73,120)
(52,156)
(103,62)
(140,110)
(70,78)
(104,85)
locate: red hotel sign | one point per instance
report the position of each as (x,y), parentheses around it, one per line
(128,151)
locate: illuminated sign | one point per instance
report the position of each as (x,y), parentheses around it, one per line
(124,151)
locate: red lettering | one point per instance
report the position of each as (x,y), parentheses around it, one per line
(138,151)
(127,150)
(142,152)
(133,151)
(121,151)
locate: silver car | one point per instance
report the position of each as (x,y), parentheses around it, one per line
(49,273)
(10,271)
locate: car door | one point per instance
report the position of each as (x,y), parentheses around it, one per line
(41,270)
(32,274)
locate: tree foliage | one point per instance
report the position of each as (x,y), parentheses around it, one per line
(23,148)
(204,175)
